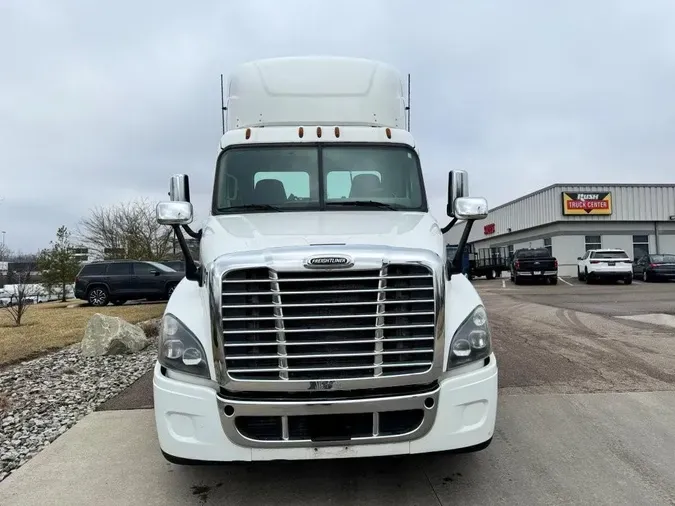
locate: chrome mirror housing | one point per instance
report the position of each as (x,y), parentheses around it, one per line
(179,188)
(174,213)
(458,187)
(470,208)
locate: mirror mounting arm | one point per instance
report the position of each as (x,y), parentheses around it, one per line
(195,235)
(446,228)
(455,265)
(192,272)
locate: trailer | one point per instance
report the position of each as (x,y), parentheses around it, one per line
(489,262)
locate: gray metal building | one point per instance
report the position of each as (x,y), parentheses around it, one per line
(569,219)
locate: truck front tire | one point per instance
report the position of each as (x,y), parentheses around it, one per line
(473,449)
(190,462)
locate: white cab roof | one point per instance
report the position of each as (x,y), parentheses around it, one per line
(315,90)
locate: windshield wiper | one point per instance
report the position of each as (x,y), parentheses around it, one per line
(252,207)
(365,203)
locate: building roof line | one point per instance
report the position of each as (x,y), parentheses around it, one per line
(554,185)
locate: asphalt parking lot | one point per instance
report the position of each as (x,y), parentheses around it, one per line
(604,298)
(586,416)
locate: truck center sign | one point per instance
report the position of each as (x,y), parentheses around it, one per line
(586,203)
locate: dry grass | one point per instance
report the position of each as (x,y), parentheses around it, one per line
(51,326)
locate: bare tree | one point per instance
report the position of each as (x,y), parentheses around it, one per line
(22,292)
(5,256)
(128,230)
(5,253)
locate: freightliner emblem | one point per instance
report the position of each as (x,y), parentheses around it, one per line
(329,262)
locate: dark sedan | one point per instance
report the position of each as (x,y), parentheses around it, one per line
(655,267)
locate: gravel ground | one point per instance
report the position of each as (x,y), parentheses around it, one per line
(42,398)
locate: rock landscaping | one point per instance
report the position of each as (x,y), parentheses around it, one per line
(42,398)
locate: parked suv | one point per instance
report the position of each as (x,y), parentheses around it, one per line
(176,265)
(118,281)
(605,264)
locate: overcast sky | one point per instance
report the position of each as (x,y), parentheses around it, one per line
(103,103)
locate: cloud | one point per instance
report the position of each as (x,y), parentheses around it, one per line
(102,103)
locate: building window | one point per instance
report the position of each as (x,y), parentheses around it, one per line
(640,246)
(593,242)
(548,245)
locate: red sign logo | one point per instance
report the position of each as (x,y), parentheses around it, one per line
(489,229)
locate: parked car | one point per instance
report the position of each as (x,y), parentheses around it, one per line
(535,264)
(176,265)
(655,267)
(611,264)
(118,281)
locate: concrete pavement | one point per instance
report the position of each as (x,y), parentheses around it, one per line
(586,416)
(548,449)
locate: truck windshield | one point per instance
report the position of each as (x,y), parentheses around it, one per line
(318,177)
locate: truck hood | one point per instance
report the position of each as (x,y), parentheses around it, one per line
(259,231)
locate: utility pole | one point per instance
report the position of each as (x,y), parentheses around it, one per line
(3,232)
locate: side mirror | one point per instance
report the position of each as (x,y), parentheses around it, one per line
(154,272)
(579,258)
(458,187)
(179,188)
(470,208)
(174,213)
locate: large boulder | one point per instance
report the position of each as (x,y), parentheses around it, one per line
(111,335)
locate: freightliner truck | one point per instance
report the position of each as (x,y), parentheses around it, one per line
(323,317)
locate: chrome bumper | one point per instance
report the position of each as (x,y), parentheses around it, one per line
(230,409)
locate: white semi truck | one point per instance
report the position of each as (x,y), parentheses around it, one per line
(322,318)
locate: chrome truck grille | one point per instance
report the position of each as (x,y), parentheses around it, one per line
(328,324)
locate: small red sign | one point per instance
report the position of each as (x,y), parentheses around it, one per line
(489,229)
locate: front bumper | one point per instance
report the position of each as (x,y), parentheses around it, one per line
(191,424)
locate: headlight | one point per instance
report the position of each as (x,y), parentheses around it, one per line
(471,341)
(179,349)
